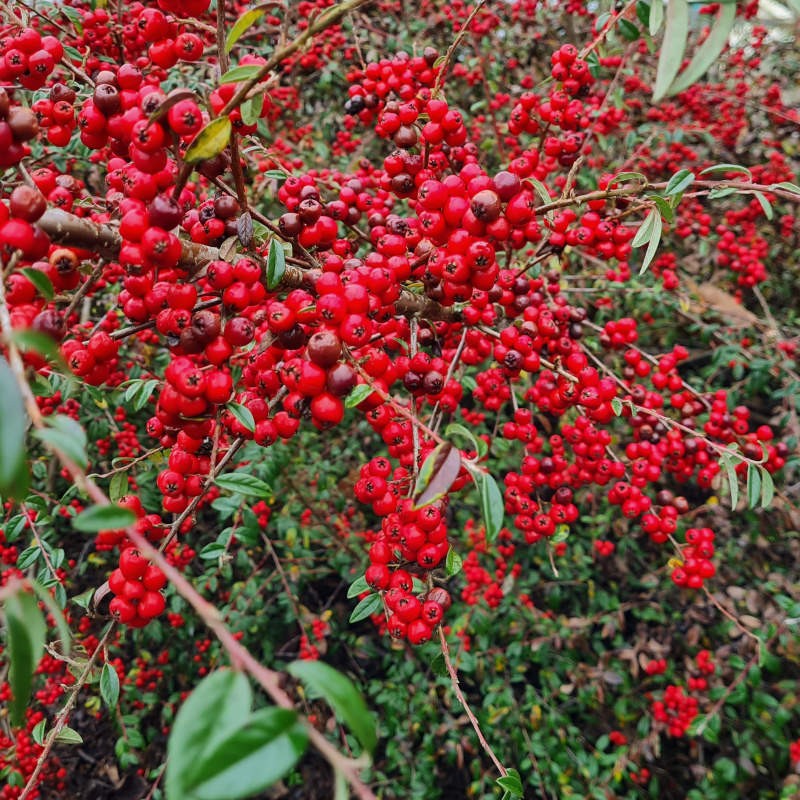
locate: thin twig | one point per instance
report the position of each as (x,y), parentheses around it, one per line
(451,670)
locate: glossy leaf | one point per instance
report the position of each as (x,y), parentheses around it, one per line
(437,474)
(276,264)
(673,47)
(109,685)
(251,758)
(243,73)
(244,415)
(371,604)
(210,141)
(357,587)
(219,705)
(241,26)
(492,504)
(103,518)
(708,51)
(25,632)
(358,395)
(244,484)
(342,696)
(453,563)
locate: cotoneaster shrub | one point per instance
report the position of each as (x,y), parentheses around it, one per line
(452,346)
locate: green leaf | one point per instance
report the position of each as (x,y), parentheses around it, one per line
(629,30)
(540,189)
(266,746)
(357,587)
(369,605)
(212,551)
(28,557)
(453,563)
(68,735)
(243,414)
(118,487)
(38,731)
(673,47)
(616,406)
(727,168)
(109,686)
(358,395)
(767,488)
(238,74)
(437,474)
(708,51)
(656,16)
(650,233)
(67,435)
(626,177)
(210,141)
(13,423)
(219,705)
(789,187)
(733,479)
(42,283)
(722,191)
(765,205)
(251,109)
(492,504)
(679,182)
(103,518)
(478,444)
(342,696)
(511,782)
(244,484)
(25,632)
(753,485)
(276,264)
(240,27)
(28,339)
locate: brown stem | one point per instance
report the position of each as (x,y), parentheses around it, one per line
(465,705)
(65,228)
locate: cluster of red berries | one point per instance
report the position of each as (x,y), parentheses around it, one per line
(401,75)
(137,585)
(213,220)
(676,710)
(696,555)
(56,114)
(28,58)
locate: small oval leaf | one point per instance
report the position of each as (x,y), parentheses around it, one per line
(210,141)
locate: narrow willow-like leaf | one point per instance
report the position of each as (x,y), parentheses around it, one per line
(672,48)
(708,52)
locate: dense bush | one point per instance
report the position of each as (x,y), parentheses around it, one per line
(420,375)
